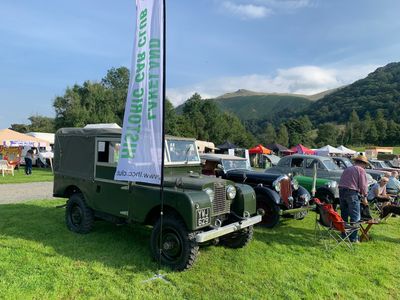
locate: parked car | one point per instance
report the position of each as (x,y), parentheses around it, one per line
(344,162)
(326,190)
(392,164)
(277,194)
(301,164)
(197,209)
(381,165)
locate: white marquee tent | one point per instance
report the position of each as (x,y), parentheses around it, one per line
(347,150)
(327,150)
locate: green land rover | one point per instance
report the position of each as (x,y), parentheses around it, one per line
(197,209)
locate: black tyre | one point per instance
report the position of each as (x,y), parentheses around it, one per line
(179,247)
(78,216)
(271,209)
(238,239)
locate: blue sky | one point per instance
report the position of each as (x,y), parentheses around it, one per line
(213,47)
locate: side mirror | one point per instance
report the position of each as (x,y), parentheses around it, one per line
(220,167)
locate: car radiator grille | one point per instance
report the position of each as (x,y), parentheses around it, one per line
(220,204)
(286,191)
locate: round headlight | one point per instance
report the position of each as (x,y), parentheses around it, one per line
(331,184)
(295,184)
(277,186)
(210,193)
(306,198)
(231,192)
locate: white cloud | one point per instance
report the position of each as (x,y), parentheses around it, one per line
(286,4)
(306,80)
(247,11)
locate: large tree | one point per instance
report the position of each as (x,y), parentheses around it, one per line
(283,136)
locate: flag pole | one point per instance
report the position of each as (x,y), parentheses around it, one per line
(159,275)
(163,140)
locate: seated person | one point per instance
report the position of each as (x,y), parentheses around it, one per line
(378,191)
(393,186)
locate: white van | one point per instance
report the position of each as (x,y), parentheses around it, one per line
(41,156)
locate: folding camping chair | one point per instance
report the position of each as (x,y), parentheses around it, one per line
(330,227)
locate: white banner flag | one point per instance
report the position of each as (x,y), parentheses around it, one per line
(142,136)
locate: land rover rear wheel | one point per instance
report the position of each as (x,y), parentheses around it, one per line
(271,211)
(179,248)
(237,239)
(78,216)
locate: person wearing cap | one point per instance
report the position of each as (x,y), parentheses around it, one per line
(353,187)
(378,191)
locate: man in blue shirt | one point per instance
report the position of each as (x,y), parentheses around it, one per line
(393,186)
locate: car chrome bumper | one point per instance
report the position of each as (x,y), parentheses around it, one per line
(214,233)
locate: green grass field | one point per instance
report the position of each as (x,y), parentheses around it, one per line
(41,259)
(38,174)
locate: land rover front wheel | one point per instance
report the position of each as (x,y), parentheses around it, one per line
(271,211)
(78,216)
(237,239)
(179,248)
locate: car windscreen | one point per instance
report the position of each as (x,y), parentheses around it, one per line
(384,165)
(347,162)
(234,164)
(182,151)
(330,165)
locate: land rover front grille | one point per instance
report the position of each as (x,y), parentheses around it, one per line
(220,204)
(286,191)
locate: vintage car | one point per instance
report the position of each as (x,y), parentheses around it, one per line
(301,164)
(196,209)
(344,162)
(277,194)
(326,190)
(380,165)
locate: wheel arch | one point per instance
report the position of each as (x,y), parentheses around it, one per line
(268,194)
(70,190)
(154,214)
(321,192)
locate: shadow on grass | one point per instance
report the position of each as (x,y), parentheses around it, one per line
(115,246)
(284,234)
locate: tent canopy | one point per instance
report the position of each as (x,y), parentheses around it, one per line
(302,149)
(259,149)
(329,149)
(227,145)
(346,150)
(276,147)
(273,159)
(13,138)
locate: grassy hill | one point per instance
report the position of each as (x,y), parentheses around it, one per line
(262,107)
(379,90)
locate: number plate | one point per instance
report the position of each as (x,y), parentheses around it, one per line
(203,216)
(300,215)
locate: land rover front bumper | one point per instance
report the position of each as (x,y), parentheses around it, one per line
(220,231)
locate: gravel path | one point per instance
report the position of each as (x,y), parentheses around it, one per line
(14,193)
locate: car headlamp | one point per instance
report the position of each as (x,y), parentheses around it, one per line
(306,198)
(210,193)
(331,184)
(231,192)
(277,185)
(295,184)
